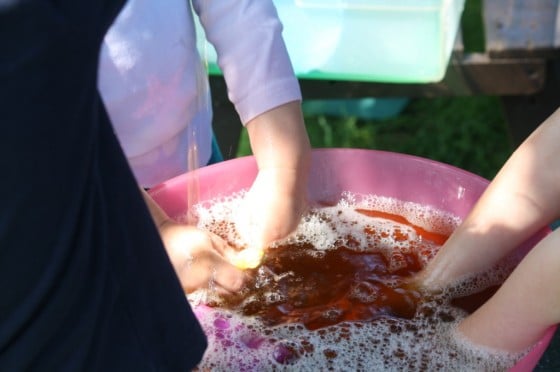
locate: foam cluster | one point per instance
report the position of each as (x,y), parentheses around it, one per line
(426,341)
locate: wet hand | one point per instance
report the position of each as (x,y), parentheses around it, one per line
(277,198)
(272,210)
(199,258)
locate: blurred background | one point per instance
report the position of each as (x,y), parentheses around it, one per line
(502,80)
(469,132)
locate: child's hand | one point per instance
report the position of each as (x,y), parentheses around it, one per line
(273,208)
(198,258)
(277,198)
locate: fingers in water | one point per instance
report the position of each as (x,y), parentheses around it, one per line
(226,278)
(210,270)
(249,258)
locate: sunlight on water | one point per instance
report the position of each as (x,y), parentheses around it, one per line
(203,104)
(192,164)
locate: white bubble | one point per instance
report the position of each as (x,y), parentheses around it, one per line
(426,342)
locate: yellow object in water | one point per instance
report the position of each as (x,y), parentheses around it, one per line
(248,258)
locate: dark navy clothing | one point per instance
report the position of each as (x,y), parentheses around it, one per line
(85,283)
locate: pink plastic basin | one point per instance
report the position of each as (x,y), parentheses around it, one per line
(334,171)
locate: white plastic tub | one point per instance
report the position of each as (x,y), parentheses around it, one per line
(401,41)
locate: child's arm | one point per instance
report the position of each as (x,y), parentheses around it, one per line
(198,257)
(266,94)
(524,197)
(278,197)
(525,305)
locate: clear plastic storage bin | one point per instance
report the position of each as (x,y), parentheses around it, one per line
(400,41)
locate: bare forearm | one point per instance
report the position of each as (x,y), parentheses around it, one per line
(279,138)
(526,304)
(524,196)
(278,196)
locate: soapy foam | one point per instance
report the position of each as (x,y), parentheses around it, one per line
(428,341)
(424,343)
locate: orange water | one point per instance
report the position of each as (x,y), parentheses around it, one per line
(337,285)
(347,304)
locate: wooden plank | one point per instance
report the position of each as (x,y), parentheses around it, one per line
(520,28)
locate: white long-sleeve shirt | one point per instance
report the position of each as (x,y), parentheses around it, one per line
(155,86)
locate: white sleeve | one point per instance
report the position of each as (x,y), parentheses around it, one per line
(247,36)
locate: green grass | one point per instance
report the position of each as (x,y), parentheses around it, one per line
(468,132)
(472,26)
